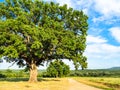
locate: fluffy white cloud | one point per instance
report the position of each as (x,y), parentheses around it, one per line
(115,32)
(101,54)
(98,39)
(99,45)
(108,7)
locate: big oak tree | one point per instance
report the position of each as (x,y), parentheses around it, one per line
(33,31)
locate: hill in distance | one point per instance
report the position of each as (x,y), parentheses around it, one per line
(114,68)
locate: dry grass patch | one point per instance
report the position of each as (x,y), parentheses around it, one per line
(45,84)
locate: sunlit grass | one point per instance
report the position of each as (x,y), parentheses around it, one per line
(106,80)
(43,84)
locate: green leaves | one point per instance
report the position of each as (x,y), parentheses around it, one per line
(36,45)
(11,52)
(34,30)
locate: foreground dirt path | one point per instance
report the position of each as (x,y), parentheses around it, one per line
(74,85)
(46,84)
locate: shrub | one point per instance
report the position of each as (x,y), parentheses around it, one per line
(2,76)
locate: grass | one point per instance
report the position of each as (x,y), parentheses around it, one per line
(58,83)
(43,84)
(101,82)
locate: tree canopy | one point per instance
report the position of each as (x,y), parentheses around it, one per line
(33,31)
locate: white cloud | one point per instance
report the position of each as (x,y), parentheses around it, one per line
(101,54)
(108,7)
(115,32)
(102,49)
(98,39)
(99,45)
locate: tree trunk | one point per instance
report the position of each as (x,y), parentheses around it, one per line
(33,73)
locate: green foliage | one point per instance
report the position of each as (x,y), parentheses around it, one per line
(33,31)
(8,71)
(96,73)
(43,73)
(2,76)
(58,69)
(13,73)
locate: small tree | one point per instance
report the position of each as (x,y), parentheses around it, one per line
(58,69)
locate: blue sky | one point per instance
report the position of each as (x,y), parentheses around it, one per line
(103,40)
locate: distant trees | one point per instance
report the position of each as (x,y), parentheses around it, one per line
(33,31)
(58,69)
(13,73)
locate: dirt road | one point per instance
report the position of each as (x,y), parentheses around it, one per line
(74,85)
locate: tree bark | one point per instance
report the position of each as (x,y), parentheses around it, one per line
(33,73)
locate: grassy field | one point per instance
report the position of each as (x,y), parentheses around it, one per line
(58,83)
(43,84)
(106,83)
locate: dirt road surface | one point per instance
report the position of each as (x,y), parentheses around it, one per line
(74,85)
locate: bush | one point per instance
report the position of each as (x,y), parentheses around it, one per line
(2,76)
(57,69)
(14,73)
(21,73)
